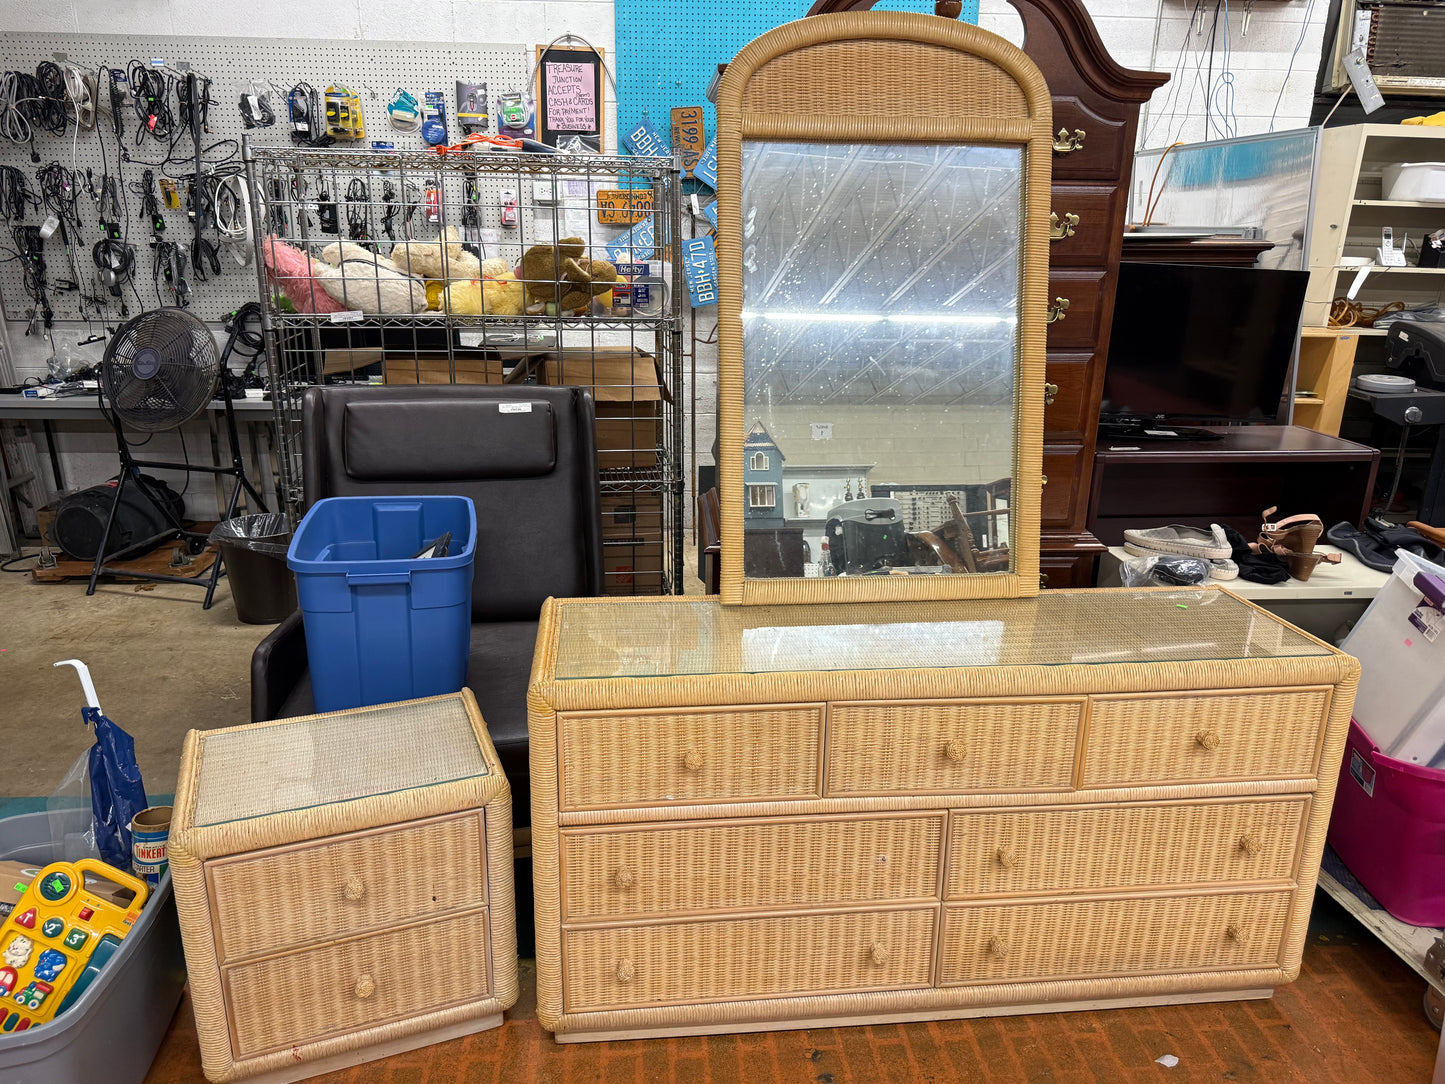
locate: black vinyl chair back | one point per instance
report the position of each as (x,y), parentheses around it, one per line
(527,457)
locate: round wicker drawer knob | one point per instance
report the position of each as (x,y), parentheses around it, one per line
(1250,843)
(692,760)
(1006,857)
(354,888)
(624,971)
(954,749)
(1233,932)
(625,877)
(997,946)
(1208,739)
(878,953)
(365,987)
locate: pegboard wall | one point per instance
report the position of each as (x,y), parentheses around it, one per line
(373,69)
(668,50)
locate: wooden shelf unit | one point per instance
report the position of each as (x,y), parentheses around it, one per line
(1349,212)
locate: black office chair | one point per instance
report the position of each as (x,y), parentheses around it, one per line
(539,531)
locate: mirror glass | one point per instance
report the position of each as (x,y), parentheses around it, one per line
(880,305)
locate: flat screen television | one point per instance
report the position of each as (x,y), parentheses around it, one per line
(1195,343)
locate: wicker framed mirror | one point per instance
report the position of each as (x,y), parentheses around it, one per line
(883,203)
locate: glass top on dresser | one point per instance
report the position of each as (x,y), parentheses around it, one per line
(321,760)
(695,637)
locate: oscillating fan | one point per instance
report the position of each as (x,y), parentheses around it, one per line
(160,370)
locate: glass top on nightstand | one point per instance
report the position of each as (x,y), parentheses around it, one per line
(696,637)
(322,760)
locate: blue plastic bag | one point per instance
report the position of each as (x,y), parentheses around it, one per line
(116,791)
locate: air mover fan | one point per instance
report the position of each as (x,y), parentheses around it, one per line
(160,370)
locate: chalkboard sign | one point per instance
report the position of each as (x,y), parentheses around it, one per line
(570,84)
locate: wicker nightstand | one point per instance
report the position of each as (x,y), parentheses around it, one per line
(345,886)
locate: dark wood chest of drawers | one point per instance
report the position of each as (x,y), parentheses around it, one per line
(1096,113)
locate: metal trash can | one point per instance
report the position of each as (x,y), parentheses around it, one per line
(254,551)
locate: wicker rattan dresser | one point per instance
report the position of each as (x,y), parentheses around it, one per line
(766,817)
(345,886)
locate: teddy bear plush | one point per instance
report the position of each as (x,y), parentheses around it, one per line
(495,293)
(445,260)
(561,279)
(362,280)
(293,273)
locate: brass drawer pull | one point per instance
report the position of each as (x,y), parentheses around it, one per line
(692,760)
(624,971)
(1058,309)
(365,987)
(1051,392)
(878,953)
(1208,740)
(354,888)
(624,877)
(1006,857)
(954,749)
(1061,228)
(1250,843)
(997,946)
(1065,143)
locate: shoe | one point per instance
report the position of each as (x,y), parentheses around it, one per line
(1178,539)
(1375,546)
(1220,568)
(1434,534)
(1297,533)
(1301,565)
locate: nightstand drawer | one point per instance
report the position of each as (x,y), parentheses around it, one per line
(341,988)
(1032,942)
(343,885)
(952,746)
(741,959)
(1200,738)
(743,865)
(699,756)
(1057,851)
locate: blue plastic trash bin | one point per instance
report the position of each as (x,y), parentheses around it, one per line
(382,624)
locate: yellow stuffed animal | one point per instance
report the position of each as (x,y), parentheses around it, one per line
(496,293)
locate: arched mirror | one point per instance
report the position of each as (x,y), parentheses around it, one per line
(883,183)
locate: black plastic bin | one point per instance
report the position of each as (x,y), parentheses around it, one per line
(254,551)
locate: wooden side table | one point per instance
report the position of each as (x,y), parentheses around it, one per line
(344,883)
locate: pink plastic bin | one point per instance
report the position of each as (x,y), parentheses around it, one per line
(1388,827)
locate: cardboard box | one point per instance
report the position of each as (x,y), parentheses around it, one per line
(15,878)
(632,517)
(347,361)
(632,569)
(627,389)
(434,369)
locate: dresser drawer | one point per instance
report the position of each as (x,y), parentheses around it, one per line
(1074,410)
(1090,239)
(741,865)
(1058,851)
(1104,151)
(1203,738)
(1030,942)
(339,988)
(1078,328)
(343,885)
(744,958)
(1065,495)
(952,746)
(689,756)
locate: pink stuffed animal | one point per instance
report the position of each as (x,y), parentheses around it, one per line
(291,271)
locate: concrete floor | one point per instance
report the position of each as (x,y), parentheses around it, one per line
(161,666)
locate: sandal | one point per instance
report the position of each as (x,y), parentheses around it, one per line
(1301,565)
(1297,533)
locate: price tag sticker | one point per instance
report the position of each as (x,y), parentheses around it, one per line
(348,316)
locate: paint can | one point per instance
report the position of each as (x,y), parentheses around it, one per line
(150,829)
